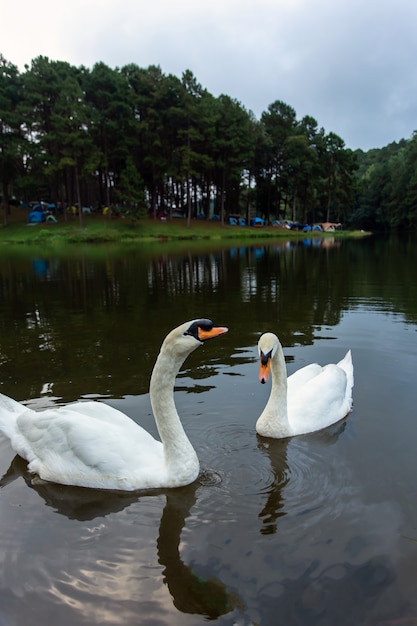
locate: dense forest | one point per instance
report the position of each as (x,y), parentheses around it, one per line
(145,143)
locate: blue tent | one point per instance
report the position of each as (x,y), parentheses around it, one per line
(35,217)
(257,221)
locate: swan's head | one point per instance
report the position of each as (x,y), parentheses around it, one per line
(267,346)
(187,337)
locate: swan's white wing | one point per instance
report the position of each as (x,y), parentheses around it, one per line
(105,413)
(89,444)
(302,376)
(320,402)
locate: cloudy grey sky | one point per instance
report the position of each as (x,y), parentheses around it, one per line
(351,64)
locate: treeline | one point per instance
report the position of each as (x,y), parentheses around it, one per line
(150,142)
(387,187)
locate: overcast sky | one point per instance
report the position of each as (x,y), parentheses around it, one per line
(351,64)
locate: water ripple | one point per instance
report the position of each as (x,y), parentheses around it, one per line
(309,477)
(300,476)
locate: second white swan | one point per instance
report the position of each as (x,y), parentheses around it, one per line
(312,398)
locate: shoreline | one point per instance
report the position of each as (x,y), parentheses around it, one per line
(96,230)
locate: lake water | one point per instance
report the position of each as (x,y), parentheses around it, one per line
(318,529)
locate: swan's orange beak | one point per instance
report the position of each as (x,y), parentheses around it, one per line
(203,335)
(264,368)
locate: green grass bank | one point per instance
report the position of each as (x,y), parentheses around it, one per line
(99,229)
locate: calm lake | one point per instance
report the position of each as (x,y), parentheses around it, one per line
(318,529)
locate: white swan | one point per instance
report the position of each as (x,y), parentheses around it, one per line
(312,398)
(91,444)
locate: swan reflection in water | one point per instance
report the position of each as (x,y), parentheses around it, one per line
(314,582)
(284,472)
(276,450)
(190,593)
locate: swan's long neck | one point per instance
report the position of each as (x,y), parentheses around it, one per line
(273,421)
(180,457)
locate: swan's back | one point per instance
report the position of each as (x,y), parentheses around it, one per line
(83,443)
(320,396)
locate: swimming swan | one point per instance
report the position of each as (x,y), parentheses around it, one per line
(312,398)
(91,444)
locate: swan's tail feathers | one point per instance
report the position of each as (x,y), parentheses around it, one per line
(347,365)
(9,412)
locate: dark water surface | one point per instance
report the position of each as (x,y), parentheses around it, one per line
(318,529)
